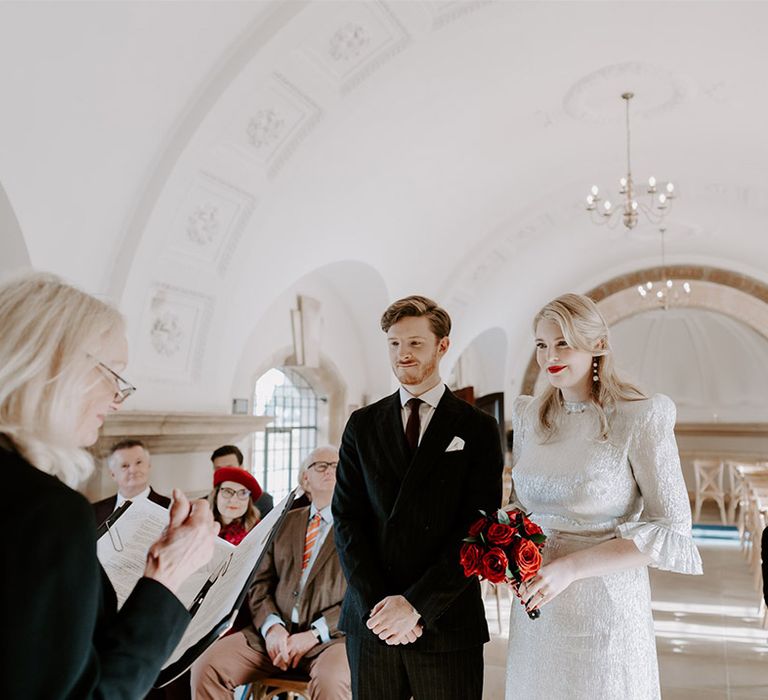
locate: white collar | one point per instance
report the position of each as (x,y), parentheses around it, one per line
(325,513)
(431,397)
(121,499)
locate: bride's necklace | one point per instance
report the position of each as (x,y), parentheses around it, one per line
(575,406)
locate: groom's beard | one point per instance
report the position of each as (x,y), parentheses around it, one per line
(416,374)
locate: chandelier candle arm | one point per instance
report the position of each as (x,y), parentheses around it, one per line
(668,293)
(631,208)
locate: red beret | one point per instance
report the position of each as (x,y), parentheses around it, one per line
(239,476)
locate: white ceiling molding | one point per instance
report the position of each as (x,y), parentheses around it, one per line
(349,45)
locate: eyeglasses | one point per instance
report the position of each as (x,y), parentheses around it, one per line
(240,494)
(322,467)
(124,387)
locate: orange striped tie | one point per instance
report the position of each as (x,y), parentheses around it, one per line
(313,532)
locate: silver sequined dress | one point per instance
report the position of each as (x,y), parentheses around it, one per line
(595,640)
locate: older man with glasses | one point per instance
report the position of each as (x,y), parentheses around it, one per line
(294,603)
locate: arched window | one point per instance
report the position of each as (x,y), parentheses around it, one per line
(278,451)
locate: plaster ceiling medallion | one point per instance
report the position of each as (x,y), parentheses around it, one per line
(210,222)
(593,97)
(350,45)
(166,334)
(267,129)
(349,42)
(175,327)
(203,224)
(446,11)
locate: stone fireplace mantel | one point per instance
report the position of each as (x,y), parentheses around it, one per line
(167,433)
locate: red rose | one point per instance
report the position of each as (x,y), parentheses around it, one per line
(470,557)
(531,528)
(527,557)
(493,566)
(500,534)
(477,527)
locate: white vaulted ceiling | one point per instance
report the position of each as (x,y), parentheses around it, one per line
(195,160)
(712,364)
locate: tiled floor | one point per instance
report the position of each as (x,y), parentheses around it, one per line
(709,639)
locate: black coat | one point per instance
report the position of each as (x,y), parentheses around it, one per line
(399,523)
(764,548)
(104,508)
(63,635)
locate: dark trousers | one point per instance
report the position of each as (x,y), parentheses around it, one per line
(381,672)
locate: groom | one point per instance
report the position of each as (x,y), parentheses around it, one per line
(414,470)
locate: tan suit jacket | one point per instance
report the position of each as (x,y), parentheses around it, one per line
(276,587)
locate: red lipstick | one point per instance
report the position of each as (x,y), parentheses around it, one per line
(554,369)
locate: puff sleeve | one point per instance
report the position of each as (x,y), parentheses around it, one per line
(663,531)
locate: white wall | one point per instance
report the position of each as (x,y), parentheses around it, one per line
(351,339)
(13,249)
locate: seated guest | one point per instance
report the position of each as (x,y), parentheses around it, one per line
(60,354)
(294,603)
(231,456)
(129,465)
(234,495)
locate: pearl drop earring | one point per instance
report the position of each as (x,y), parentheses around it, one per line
(595,378)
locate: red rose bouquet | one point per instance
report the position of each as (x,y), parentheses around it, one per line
(503,548)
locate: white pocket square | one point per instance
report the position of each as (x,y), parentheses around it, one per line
(456,444)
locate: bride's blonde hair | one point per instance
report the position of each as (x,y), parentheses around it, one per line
(48,329)
(583,328)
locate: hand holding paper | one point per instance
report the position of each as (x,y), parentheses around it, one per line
(185,546)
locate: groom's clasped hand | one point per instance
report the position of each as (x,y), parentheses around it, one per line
(395,621)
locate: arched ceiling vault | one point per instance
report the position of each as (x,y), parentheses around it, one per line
(734,296)
(204,156)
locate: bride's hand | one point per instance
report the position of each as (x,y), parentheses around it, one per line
(549,583)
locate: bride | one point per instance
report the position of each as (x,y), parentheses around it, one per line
(596,463)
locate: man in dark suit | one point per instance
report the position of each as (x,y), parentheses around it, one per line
(129,464)
(294,604)
(764,553)
(414,470)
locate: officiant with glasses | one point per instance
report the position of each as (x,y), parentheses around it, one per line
(61,356)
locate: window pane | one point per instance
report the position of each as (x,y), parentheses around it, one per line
(284,394)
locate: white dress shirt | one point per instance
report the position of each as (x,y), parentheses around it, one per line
(138,497)
(430,400)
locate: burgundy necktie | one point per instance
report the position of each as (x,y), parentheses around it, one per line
(413,426)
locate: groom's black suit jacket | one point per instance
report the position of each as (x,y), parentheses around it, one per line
(399,521)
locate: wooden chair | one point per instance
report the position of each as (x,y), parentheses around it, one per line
(746,474)
(733,488)
(709,484)
(268,688)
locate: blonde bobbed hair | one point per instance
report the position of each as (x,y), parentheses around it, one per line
(583,328)
(47,330)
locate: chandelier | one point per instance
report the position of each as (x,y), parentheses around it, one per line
(665,292)
(655,208)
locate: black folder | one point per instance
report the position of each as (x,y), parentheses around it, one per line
(187,659)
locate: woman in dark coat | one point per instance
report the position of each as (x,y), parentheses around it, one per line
(60,354)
